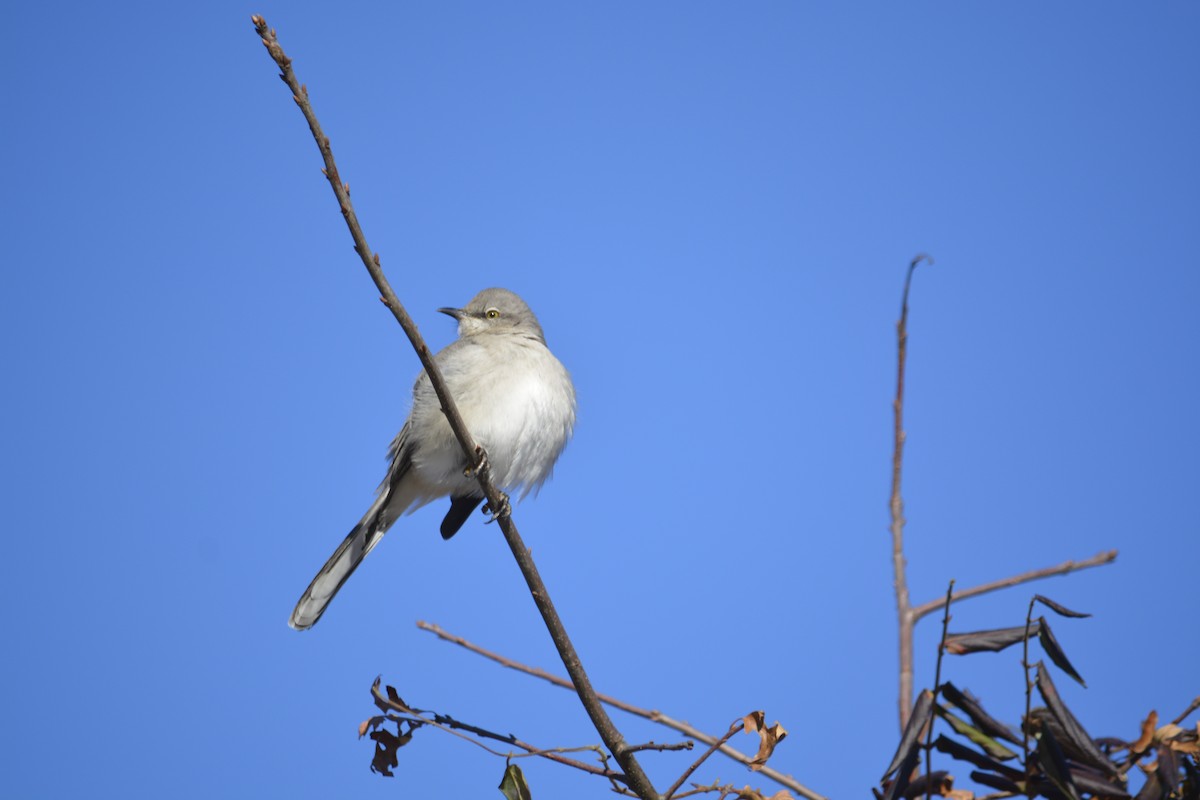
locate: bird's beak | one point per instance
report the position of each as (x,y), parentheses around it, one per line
(457,313)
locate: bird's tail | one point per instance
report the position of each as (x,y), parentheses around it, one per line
(337,569)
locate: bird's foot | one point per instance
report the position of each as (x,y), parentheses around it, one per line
(481,463)
(505,509)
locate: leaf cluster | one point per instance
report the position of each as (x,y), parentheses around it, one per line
(1065,762)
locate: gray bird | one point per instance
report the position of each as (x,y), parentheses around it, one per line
(516,399)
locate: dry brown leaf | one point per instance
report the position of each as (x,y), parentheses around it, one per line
(369,724)
(1148,727)
(386,744)
(768,737)
(945,788)
(782,794)
(1184,742)
(397,700)
(1181,740)
(1167,732)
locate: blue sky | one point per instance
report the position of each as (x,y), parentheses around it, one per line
(710,207)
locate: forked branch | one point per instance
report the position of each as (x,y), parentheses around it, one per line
(908,615)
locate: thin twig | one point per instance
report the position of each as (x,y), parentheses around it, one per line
(726,791)
(452,726)
(1100,559)
(661,748)
(1192,707)
(937,690)
(616,787)
(1028,700)
(536,672)
(903,605)
(637,779)
(715,786)
(448,724)
(654,716)
(687,773)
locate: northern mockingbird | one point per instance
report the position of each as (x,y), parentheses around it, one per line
(516,399)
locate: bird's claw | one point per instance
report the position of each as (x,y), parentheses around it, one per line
(505,509)
(481,463)
(480,466)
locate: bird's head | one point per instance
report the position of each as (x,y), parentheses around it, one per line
(496,311)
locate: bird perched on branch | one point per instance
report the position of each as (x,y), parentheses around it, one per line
(517,401)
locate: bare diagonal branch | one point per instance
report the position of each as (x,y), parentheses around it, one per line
(1098,560)
(636,777)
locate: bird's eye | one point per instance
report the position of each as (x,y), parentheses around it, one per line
(492,313)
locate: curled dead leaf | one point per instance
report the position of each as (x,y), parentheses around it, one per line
(755,722)
(396,699)
(392,702)
(1058,608)
(1167,732)
(370,724)
(1148,727)
(387,745)
(1180,740)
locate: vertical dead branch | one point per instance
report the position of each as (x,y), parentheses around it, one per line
(904,613)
